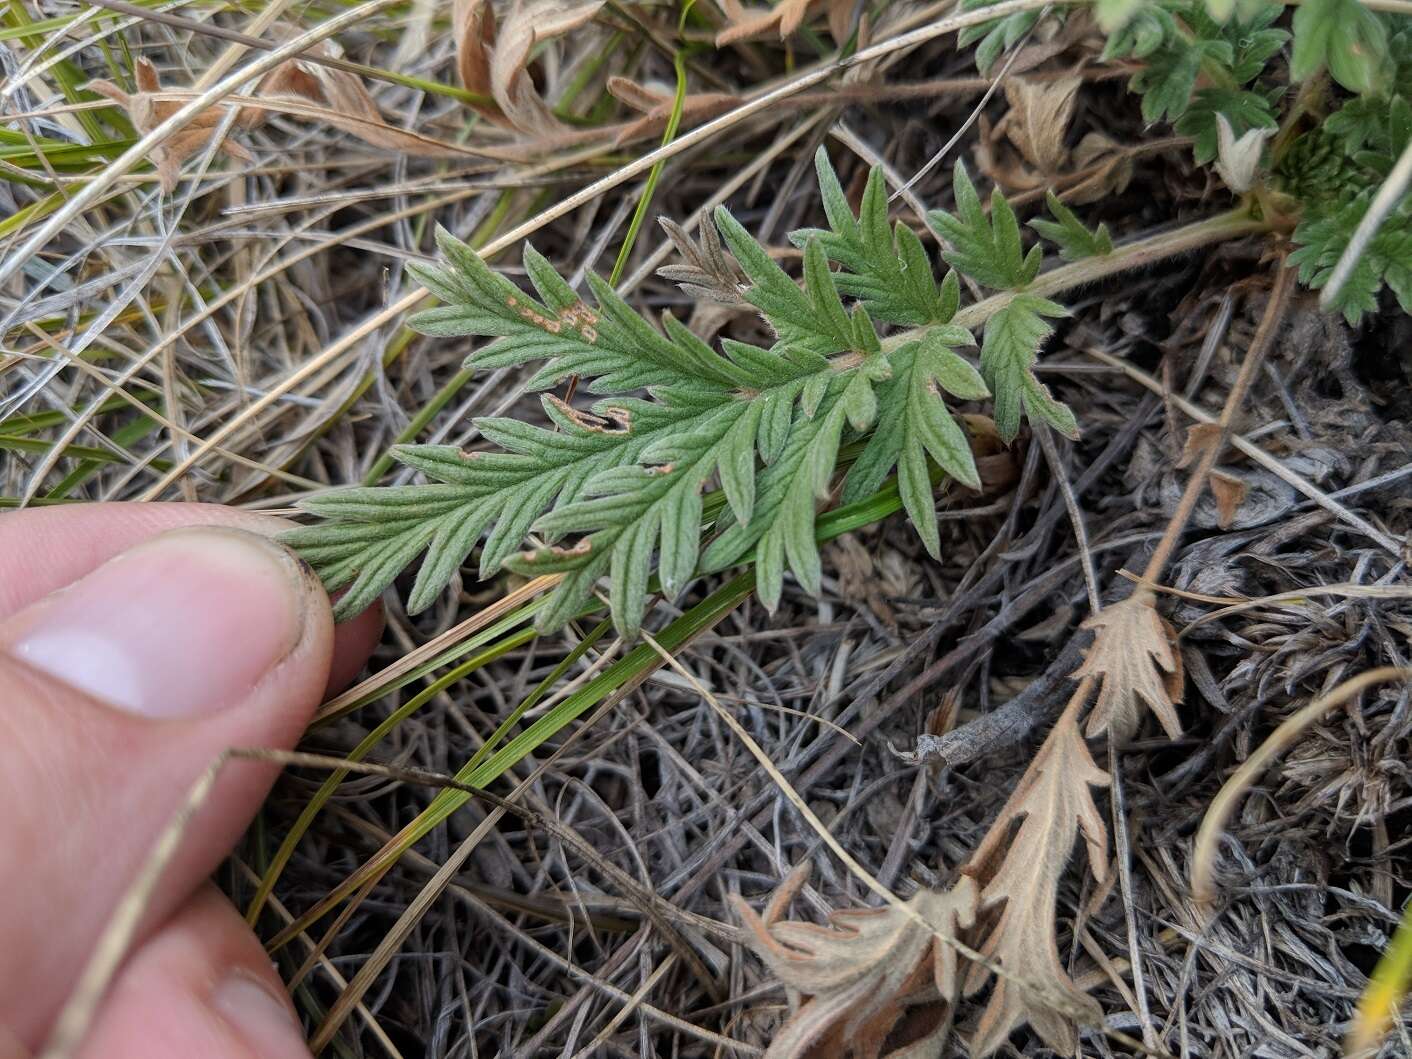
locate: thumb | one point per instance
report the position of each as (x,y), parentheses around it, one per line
(117,692)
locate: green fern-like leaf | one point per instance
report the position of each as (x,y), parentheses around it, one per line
(986,248)
(1167,81)
(1075,242)
(1323,235)
(914,424)
(1244,109)
(611,496)
(1181,44)
(887,269)
(1144,28)
(1008,355)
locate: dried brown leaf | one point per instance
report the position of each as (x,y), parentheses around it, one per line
(708,272)
(1132,658)
(1039,118)
(529,23)
(1230,493)
(343,102)
(1053,807)
(840,16)
(1111,169)
(146,112)
(743,23)
(870,977)
(1199,438)
(473,26)
(864,576)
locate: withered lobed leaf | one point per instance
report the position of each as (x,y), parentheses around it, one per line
(1052,807)
(1133,660)
(869,977)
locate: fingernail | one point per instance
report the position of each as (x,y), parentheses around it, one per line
(262,1020)
(182,625)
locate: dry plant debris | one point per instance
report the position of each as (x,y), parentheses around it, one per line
(783,18)
(493,56)
(1134,661)
(146,112)
(1009,887)
(1040,113)
(263,308)
(873,984)
(343,98)
(1053,806)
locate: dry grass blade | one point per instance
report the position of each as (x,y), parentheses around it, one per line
(1302,596)
(146,109)
(352,115)
(1213,825)
(1132,659)
(865,974)
(96,188)
(1053,807)
(372,687)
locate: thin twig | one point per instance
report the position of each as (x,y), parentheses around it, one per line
(1212,447)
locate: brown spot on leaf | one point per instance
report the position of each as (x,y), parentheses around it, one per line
(614,419)
(575,551)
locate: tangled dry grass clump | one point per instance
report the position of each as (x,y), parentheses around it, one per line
(920,767)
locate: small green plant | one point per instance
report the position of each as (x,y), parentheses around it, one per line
(694,458)
(1332,144)
(617,489)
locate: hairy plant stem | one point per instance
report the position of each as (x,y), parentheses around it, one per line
(1140,253)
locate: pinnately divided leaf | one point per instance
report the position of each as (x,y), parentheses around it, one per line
(1323,235)
(914,424)
(1075,242)
(1182,45)
(1012,340)
(887,270)
(610,496)
(986,248)
(1054,808)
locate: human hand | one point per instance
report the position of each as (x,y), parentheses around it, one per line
(137,643)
